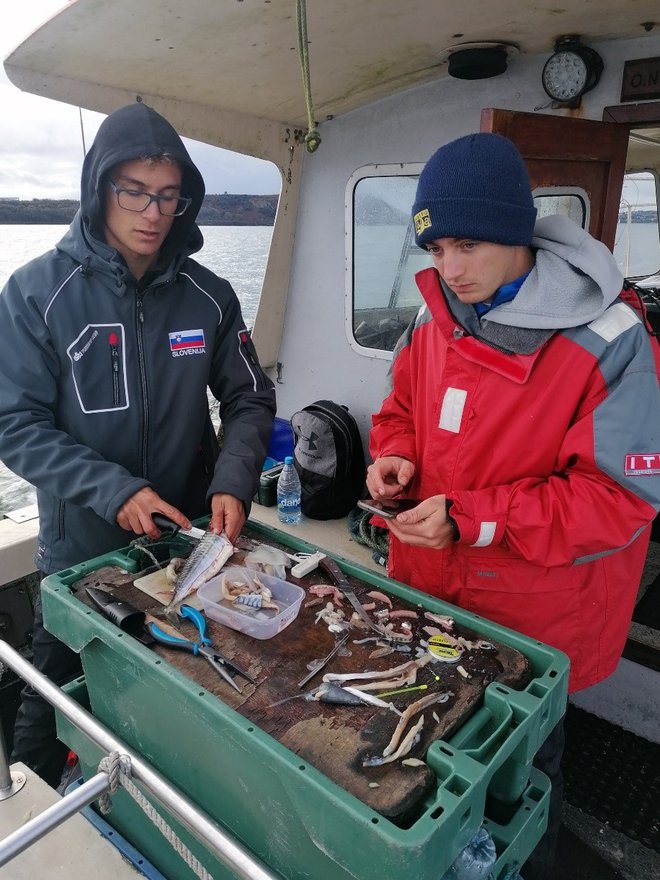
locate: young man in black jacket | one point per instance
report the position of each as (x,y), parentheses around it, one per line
(107,346)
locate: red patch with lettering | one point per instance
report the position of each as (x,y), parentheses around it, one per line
(642,464)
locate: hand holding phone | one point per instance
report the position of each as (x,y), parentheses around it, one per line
(388,508)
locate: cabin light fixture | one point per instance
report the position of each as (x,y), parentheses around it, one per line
(571,70)
(477,60)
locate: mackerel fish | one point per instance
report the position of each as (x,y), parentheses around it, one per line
(204,562)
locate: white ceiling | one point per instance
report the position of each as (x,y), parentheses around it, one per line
(242,55)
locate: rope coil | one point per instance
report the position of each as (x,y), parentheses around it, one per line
(375,537)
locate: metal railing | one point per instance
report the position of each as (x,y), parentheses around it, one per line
(228,851)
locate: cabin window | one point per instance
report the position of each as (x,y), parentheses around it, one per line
(383,258)
(571,201)
(637,245)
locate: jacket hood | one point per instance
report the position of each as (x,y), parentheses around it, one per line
(574,280)
(135,132)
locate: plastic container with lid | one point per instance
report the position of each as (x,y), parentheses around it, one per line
(260,623)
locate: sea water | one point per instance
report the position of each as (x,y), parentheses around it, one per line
(237,253)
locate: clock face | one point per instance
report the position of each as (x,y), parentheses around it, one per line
(565,75)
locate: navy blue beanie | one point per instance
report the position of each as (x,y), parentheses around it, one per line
(475,187)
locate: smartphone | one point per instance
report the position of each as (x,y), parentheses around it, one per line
(388,507)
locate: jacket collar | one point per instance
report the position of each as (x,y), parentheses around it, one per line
(463,333)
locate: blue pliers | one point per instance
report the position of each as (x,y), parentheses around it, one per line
(203,647)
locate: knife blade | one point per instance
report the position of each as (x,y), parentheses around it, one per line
(167,525)
(320,664)
(340,579)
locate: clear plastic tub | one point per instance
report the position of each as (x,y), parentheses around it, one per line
(260,623)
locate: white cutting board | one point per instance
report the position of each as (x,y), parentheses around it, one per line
(157,586)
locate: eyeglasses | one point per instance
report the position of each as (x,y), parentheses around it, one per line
(138,201)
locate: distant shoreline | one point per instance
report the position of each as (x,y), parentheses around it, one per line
(217,210)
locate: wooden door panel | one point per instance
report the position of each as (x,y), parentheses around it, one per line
(562,150)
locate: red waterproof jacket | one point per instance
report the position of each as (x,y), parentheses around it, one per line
(552,460)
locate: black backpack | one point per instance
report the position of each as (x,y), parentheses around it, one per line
(329,458)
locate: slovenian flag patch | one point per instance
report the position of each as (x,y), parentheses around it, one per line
(184,342)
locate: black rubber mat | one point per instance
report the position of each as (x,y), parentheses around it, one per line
(613,775)
(647,610)
(576,859)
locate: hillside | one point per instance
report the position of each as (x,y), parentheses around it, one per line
(217,210)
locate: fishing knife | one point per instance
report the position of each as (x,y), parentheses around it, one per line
(340,579)
(167,525)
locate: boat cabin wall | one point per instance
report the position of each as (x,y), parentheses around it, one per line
(318,357)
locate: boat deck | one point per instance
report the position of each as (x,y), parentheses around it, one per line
(73,850)
(333,536)
(611,813)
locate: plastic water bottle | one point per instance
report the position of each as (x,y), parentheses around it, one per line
(288,493)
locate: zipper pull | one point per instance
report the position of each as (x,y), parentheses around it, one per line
(244,336)
(113,341)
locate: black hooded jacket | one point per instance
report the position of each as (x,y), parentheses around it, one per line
(104,387)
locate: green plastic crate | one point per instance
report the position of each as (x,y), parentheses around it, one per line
(290,815)
(513,839)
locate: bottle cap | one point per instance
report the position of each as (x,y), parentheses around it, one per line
(288,459)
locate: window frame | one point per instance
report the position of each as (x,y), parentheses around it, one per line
(655,176)
(399,169)
(558,191)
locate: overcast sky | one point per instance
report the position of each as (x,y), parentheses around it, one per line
(41,147)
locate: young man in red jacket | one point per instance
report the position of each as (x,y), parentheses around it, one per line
(524,409)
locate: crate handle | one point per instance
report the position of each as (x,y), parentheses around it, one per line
(475,726)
